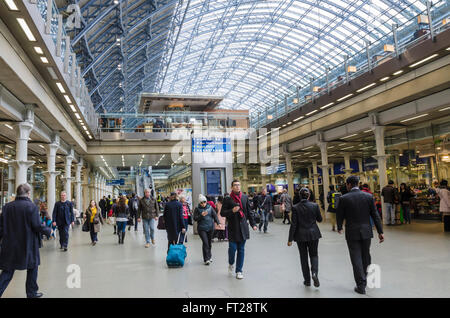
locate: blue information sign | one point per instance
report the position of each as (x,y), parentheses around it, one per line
(115,182)
(211,145)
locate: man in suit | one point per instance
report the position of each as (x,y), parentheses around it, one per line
(356,208)
(306,233)
(265,206)
(20,233)
(102,205)
(236,208)
(173,219)
(62,218)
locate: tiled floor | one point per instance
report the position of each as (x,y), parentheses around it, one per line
(414,261)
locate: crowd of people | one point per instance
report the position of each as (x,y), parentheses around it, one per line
(23,224)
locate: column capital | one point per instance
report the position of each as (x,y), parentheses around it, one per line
(25,164)
(23,129)
(380,156)
(51,173)
(324,166)
(52,147)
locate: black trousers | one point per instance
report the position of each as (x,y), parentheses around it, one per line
(447,223)
(286,216)
(31,285)
(360,258)
(206,237)
(64,235)
(311,248)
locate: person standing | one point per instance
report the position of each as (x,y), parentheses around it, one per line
(63,217)
(389,194)
(356,208)
(148,211)
(444,203)
(186,213)
(20,234)
(121,212)
(102,205)
(286,203)
(205,215)
(333,198)
(306,233)
(265,206)
(236,209)
(94,218)
(133,205)
(174,221)
(405,198)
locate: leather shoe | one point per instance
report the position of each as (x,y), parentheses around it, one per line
(37,295)
(316,280)
(360,291)
(307,283)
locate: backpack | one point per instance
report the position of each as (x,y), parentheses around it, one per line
(335,199)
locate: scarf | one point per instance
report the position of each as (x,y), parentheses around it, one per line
(237,199)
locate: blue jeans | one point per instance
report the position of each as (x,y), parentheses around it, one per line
(390,213)
(264,220)
(149,229)
(406,213)
(92,232)
(121,226)
(240,248)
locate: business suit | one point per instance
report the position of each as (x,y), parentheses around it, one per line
(63,216)
(356,208)
(20,233)
(306,233)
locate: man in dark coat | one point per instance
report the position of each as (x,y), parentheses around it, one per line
(102,205)
(356,208)
(20,233)
(62,218)
(306,233)
(173,219)
(236,208)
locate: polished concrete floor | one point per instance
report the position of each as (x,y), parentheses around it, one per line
(414,261)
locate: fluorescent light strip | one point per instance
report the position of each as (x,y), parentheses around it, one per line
(67,99)
(412,118)
(446,108)
(384,78)
(308,148)
(44,60)
(349,136)
(447,49)
(398,72)
(327,105)
(52,73)
(9,126)
(424,60)
(299,118)
(365,87)
(310,113)
(60,87)
(346,96)
(346,148)
(11,5)
(23,24)
(73,108)
(38,50)
(77,116)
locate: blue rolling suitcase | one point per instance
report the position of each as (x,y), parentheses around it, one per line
(177,254)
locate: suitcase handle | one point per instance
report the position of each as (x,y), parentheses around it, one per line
(185,238)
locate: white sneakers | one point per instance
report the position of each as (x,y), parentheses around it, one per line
(239,275)
(208,262)
(230,269)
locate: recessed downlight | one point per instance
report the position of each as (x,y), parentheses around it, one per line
(38,50)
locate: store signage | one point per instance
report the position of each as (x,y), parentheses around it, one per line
(212,145)
(115,182)
(276,169)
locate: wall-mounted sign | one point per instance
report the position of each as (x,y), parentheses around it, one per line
(211,145)
(115,182)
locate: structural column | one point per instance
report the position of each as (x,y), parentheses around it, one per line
(91,186)
(85,199)
(362,175)
(244,178)
(263,176)
(68,175)
(381,158)
(11,179)
(51,173)
(78,197)
(316,181)
(21,164)
(32,183)
(347,169)
(333,177)
(289,174)
(310,178)
(325,173)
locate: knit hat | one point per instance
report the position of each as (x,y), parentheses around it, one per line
(201,198)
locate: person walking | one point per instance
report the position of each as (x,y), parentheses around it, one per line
(405,198)
(333,198)
(174,221)
(45,217)
(63,217)
(114,203)
(205,216)
(444,203)
(102,205)
(286,203)
(220,229)
(133,204)
(121,212)
(356,208)
(148,212)
(265,207)
(236,209)
(306,233)
(94,218)
(20,233)
(186,214)
(390,195)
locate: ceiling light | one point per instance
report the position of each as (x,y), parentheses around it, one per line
(447,49)
(38,50)
(11,5)
(346,148)
(365,87)
(284,125)
(52,73)
(310,113)
(346,96)
(308,148)
(84,127)
(349,136)
(446,108)
(299,118)
(366,131)
(77,116)
(23,24)
(44,60)
(327,105)
(68,99)
(424,60)
(289,123)
(398,72)
(385,78)
(269,116)
(60,87)
(9,126)
(412,118)
(42,146)
(330,147)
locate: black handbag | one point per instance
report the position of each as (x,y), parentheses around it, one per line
(85,227)
(130,221)
(190,219)
(161,223)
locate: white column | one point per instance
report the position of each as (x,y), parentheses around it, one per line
(91,187)
(85,188)
(244,180)
(289,174)
(381,158)
(21,164)
(325,173)
(316,182)
(68,175)
(11,178)
(78,197)
(263,176)
(32,183)
(310,178)
(347,169)
(333,177)
(362,175)
(51,173)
